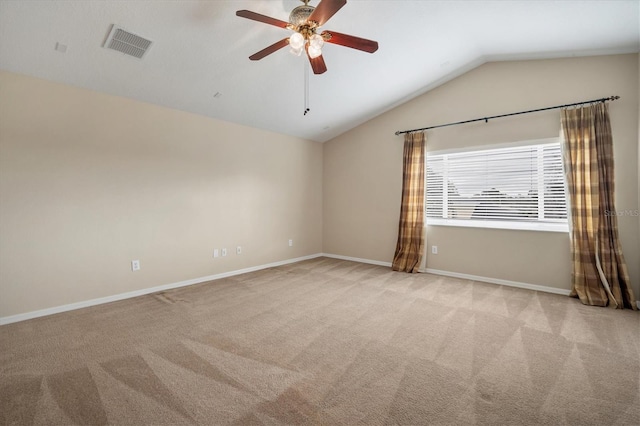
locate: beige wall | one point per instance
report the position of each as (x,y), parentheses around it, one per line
(89,182)
(363,168)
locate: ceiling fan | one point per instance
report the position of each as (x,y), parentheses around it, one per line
(304,21)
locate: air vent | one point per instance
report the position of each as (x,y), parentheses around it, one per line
(128,43)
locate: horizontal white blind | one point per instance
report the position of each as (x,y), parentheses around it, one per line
(524,183)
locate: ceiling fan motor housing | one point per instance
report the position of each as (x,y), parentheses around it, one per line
(300,15)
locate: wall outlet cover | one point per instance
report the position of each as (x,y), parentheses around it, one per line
(135,265)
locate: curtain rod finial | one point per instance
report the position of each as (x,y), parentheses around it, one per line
(397,133)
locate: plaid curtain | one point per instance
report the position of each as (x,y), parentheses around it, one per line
(599,275)
(410,246)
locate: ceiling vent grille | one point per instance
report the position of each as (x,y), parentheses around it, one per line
(128,43)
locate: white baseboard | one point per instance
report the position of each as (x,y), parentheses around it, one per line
(527,286)
(136,293)
(517,284)
(357,259)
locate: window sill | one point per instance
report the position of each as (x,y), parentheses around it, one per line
(497,224)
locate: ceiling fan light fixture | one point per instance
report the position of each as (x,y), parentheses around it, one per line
(316,41)
(296,41)
(314,51)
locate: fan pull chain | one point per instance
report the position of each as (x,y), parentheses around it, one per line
(306,87)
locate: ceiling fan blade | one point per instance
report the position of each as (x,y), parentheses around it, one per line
(317,65)
(261,18)
(353,42)
(325,10)
(269,50)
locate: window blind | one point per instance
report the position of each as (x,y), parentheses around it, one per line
(524,183)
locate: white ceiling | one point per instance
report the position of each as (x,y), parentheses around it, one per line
(201,48)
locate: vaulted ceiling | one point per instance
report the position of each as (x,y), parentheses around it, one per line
(198,61)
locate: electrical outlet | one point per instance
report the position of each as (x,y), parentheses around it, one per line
(135,265)
(290,243)
(238,250)
(224,252)
(216,253)
(434,249)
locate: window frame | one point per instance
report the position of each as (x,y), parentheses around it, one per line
(549,225)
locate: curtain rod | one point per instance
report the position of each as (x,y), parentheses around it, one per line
(486,119)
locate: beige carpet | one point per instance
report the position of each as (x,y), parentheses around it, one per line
(326,342)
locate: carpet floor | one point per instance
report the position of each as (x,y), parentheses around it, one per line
(327,342)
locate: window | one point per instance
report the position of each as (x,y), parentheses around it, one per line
(515,187)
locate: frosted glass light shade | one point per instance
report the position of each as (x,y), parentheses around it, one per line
(296,41)
(316,40)
(314,51)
